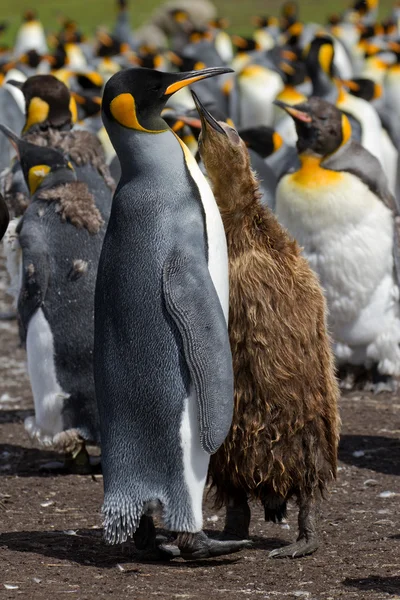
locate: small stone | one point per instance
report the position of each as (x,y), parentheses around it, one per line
(46,504)
(358,453)
(70,532)
(8,586)
(371,483)
(387,494)
(213,519)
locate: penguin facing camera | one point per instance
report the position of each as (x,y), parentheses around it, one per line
(340,210)
(60,237)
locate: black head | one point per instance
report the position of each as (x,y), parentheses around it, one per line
(134,98)
(364,88)
(47,102)
(91,81)
(244,44)
(29,16)
(108,45)
(319,56)
(4,217)
(321,127)
(40,164)
(263,140)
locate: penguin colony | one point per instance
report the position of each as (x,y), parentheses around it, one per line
(201,232)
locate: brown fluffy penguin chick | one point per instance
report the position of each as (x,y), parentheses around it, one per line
(284,436)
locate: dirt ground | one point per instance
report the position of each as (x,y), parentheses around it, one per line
(50,526)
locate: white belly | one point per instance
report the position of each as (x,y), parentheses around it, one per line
(217,249)
(256,96)
(195,459)
(347,236)
(47,393)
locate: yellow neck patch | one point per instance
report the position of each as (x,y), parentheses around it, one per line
(38,111)
(312,175)
(291,96)
(277,141)
(36,175)
(123,109)
(346,130)
(325,57)
(73,109)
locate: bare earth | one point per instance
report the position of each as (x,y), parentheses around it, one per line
(50,526)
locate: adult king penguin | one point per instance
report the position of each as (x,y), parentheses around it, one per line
(163,367)
(340,210)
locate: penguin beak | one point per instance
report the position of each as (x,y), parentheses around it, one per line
(296,114)
(181,80)
(15,83)
(206,118)
(12,137)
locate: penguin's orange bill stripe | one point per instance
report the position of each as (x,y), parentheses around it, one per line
(298,114)
(191,121)
(178,85)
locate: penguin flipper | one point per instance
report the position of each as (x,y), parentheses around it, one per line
(192,302)
(355,159)
(35,273)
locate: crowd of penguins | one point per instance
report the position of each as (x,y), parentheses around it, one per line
(201,236)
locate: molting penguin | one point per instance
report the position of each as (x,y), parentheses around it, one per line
(163,367)
(284,436)
(60,236)
(341,212)
(49,121)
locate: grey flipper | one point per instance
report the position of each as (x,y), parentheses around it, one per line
(355,159)
(35,274)
(192,302)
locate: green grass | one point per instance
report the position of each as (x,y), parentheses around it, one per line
(90,13)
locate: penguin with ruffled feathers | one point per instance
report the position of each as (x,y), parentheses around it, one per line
(339,208)
(284,435)
(49,122)
(60,236)
(162,362)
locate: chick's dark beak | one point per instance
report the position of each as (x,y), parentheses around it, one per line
(298,115)
(206,118)
(181,80)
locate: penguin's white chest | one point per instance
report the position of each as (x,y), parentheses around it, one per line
(347,235)
(258,88)
(217,248)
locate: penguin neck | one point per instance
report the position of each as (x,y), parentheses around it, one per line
(144,152)
(323,86)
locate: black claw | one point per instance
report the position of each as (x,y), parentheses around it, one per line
(198,545)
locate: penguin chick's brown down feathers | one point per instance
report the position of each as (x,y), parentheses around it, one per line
(284,436)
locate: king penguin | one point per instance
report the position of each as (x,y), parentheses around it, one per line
(60,236)
(340,210)
(162,360)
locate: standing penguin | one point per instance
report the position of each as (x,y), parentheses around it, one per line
(163,367)
(339,208)
(60,236)
(284,435)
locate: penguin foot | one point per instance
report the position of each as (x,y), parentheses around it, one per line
(79,464)
(237,519)
(381,383)
(194,546)
(302,547)
(150,545)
